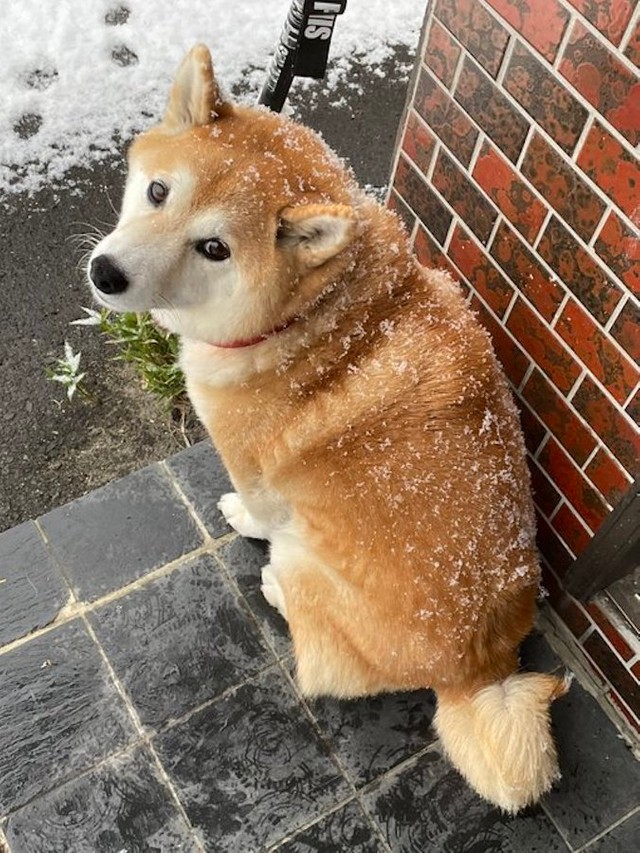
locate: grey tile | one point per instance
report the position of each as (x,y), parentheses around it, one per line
(59,713)
(536,655)
(249,768)
(114,535)
(599,773)
(121,805)
(428,806)
(180,640)
(32,589)
(244,559)
(625,838)
(345,829)
(372,735)
(203,479)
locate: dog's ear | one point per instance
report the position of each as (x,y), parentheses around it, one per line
(316,232)
(195,98)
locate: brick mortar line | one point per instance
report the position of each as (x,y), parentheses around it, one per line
(492,236)
(633,21)
(561,306)
(591,456)
(579,144)
(455,221)
(550,212)
(597,231)
(545,440)
(517,166)
(564,41)
(414,231)
(574,388)
(506,59)
(631,395)
(619,308)
(475,154)
(145,738)
(588,845)
(526,377)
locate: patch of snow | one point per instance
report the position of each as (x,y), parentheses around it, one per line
(77,78)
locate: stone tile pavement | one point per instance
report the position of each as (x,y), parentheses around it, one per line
(147,704)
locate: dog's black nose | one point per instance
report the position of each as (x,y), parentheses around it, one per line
(106,276)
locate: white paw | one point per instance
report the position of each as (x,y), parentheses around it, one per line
(238,516)
(272,590)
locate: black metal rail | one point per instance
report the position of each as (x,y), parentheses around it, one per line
(303,49)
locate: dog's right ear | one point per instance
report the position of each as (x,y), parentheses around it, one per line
(195,98)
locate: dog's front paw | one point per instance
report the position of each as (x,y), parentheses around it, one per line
(239,517)
(272,590)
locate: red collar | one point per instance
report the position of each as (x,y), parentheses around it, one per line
(250,342)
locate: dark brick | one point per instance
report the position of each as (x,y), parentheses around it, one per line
(441,53)
(412,187)
(445,118)
(526,272)
(545,98)
(610,424)
(476,29)
(582,275)
(480,271)
(485,103)
(594,348)
(573,485)
(552,409)
(468,202)
(559,183)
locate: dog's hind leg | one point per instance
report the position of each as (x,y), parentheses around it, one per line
(328,620)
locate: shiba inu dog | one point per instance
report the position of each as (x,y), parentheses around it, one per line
(361,413)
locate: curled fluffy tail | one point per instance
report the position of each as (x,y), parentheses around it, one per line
(500,739)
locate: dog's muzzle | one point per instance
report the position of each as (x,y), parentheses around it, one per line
(106,276)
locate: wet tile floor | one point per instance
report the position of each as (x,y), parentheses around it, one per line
(147,704)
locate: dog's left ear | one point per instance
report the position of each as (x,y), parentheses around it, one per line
(195,98)
(316,232)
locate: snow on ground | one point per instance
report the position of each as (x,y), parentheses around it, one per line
(78,75)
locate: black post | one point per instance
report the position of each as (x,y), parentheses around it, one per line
(303,49)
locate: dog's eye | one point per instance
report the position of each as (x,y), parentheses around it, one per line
(157,192)
(214,249)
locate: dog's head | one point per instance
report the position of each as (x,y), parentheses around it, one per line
(231,220)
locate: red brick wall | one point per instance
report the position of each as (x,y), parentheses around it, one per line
(516,171)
